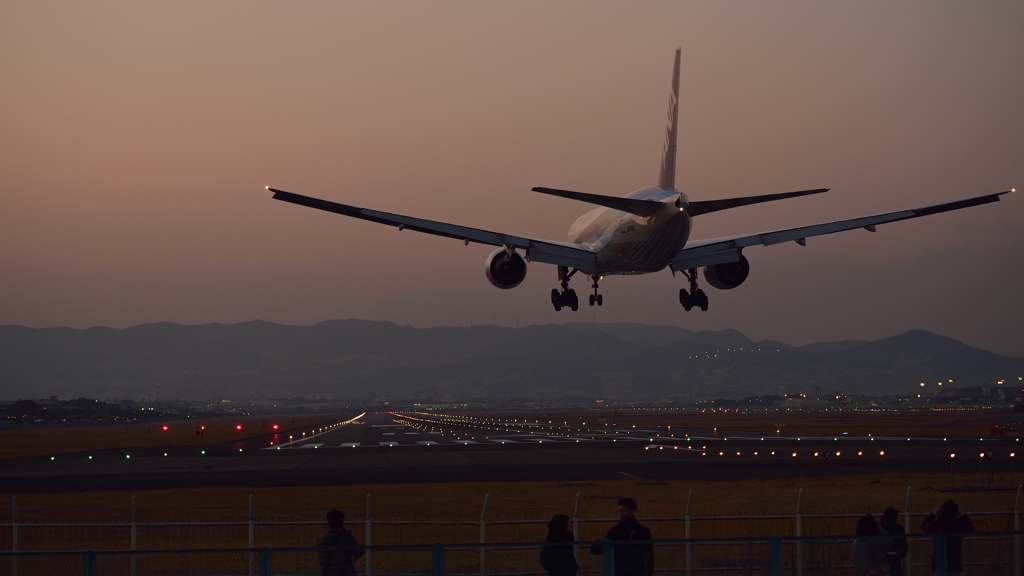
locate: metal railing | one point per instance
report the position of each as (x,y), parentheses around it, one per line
(991,554)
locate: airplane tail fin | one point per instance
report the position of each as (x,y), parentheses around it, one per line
(667,177)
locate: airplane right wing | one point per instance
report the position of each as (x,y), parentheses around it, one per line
(700,253)
(546,251)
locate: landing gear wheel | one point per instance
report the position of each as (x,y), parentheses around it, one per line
(556,300)
(592,299)
(701,299)
(573,301)
(600,299)
(685,299)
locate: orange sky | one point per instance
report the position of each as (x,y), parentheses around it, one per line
(136,138)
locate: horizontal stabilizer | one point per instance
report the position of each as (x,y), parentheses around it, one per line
(708,206)
(631,205)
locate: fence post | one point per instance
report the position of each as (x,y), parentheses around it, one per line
(483,535)
(369,537)
(1016,536)
(607,560)
(265,569)
(14,535)
(134,534)
(689,500)
(776,552)
(438,560)
(252,532)
(906,522)
(799,557)
(575,528)
(89,563)
(941,569)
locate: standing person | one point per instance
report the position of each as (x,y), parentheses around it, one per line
(337,562)
(558,559)
(630,559)
(946,518)
(869,550)
(899,546)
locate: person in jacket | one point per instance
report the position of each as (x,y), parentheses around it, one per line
(556,557)
(870,548)
(899,546)
(337,562)
(946,518)
(630,559)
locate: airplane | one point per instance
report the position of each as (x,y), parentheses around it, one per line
(642,232)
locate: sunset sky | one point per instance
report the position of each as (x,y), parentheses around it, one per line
(136,139)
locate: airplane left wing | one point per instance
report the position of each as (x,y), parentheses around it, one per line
(700,253)
(546,251)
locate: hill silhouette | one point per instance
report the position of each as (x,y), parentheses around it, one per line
(360,359)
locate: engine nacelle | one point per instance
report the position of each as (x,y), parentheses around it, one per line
(727,276)
(505,271)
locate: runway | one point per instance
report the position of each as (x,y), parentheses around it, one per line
(395,448)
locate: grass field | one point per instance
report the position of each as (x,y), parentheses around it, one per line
(948,422)
(536,501)
(48,441)
(524,506)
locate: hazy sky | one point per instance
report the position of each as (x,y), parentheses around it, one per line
(136,138)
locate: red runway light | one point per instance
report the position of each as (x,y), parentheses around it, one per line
(165,428)
(238,426)
(275,426)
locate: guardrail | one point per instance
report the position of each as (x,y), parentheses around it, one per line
(992,553)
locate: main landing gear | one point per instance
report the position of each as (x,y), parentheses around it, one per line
(596,298)
(695,298)
(566,298)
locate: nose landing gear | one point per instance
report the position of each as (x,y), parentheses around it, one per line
(566,298)
(695,298)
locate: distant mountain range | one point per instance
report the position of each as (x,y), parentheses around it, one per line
(359,359)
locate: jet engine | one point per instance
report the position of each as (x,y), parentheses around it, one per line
(727,276)
(505,270)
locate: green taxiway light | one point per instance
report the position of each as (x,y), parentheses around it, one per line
(52,458)
(202,452)
(127,455)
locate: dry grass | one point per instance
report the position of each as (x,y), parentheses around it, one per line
(37,441)
(945,423)
(534,501)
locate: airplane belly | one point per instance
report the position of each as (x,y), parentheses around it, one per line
(638,248)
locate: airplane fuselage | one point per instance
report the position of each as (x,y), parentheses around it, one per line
(630,244)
